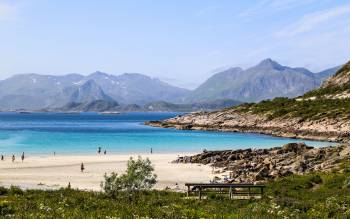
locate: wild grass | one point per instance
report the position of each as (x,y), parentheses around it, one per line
(305,109)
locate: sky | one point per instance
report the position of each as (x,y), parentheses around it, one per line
(182,42)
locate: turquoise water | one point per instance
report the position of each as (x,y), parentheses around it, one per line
(45,133)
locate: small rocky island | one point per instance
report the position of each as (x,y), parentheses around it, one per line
(254,165)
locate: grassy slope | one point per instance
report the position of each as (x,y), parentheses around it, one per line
(306,109)
(313,195)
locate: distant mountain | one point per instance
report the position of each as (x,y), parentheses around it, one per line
(136,88)
(132,108)
(323,75)
(266,80)
(93,106)
(158,106)
(88,92)
(34,91)
(204,105)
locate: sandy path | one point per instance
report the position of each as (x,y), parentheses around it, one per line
(54,172)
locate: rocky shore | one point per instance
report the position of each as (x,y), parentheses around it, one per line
(254,165)
(335,130)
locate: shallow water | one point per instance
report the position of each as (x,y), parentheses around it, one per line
(82,133)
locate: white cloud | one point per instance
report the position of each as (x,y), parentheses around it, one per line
(313,20)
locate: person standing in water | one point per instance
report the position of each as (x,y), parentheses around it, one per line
(13,158)
(105,152)
(99,150)
(2,157)
(22,157)
(82,168)
(151,150)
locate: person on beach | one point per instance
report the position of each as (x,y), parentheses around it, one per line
(54,153)
(22,157)
(105,152)
(13,158)
(99,150)
(82,168)
(151,150)
(2,157)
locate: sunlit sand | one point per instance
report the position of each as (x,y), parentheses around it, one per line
(52,172)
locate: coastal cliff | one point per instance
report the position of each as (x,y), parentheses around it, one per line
(322,114)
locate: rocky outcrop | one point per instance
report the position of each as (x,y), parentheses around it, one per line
(325,129)
(252,165)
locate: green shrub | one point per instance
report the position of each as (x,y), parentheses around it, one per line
(304,109)
(5,209)
(138,176)
(3,190)
(316,179)
(15,190)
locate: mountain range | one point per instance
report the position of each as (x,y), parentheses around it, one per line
(266,80)
(320,114)
(157,106)
(132,91)
(34,91)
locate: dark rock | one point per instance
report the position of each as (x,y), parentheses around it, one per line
(261,174)
(295,147)
(263,164)
(286,173)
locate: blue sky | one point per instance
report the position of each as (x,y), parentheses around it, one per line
(180,41)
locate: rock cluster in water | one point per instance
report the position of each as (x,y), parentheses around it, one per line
(252,165)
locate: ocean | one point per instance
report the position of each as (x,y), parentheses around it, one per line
(125,133)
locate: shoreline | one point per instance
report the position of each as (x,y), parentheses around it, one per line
(269,131)
(173,169)
(53,172)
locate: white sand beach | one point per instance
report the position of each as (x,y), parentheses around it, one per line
(51,172)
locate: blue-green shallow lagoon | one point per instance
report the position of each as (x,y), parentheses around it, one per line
(82,133)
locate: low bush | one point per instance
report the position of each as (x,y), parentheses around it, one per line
(138,176)
(305,109)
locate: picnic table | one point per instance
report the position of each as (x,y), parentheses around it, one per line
(233,189)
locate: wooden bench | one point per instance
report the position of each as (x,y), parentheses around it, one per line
(241,189)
